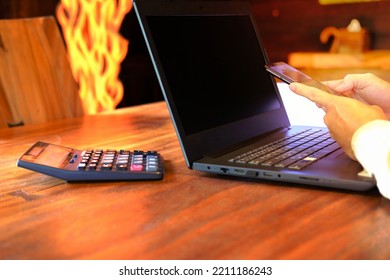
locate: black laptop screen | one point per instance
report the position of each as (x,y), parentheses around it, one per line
(213,65)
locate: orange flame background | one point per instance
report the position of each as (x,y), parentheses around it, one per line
(95,49)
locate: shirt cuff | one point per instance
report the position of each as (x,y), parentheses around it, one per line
(371,146)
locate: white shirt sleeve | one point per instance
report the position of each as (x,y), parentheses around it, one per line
(371,146)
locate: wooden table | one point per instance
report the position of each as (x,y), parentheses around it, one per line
(187,215)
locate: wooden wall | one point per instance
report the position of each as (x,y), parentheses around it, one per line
(285,25)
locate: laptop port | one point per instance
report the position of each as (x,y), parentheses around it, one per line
(224,170)
(269,174)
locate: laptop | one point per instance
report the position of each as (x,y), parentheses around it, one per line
(226,109)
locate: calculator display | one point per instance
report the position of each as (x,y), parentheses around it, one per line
(51,155)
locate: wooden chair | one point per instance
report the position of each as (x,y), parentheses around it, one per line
(36,83)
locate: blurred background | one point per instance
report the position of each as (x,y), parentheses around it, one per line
(290,31)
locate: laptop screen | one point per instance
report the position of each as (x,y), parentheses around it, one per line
(210,63)
(214,67)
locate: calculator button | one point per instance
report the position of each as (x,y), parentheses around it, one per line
(151,168)
(136,167)
(92,166)
(124,157)
(106,166)
(122,167)
(81,166)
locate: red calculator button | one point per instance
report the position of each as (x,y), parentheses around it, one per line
(136,167)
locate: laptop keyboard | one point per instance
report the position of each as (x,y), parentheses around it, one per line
(296,151)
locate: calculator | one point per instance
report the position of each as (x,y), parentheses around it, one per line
(92,164)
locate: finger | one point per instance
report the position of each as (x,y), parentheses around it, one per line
(332,83)
(321,98)
(340,87)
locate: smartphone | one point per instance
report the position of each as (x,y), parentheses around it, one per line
(289,74)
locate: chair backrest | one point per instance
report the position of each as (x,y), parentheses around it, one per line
(36,83)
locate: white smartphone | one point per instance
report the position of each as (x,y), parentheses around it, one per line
(289,74)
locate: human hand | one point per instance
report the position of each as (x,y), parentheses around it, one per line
(343,115)
(367,88)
